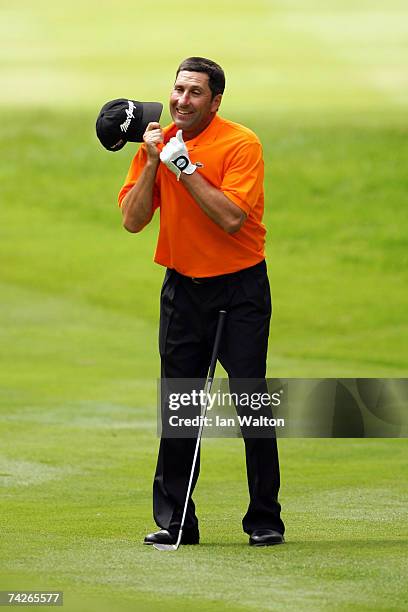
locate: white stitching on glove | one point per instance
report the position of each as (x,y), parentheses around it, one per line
(175,155)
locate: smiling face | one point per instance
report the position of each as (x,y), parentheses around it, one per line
(192,106)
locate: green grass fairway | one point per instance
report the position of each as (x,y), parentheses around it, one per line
(325,86)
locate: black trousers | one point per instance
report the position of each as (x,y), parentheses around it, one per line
(188,317)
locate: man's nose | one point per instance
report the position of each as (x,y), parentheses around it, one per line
(184,99)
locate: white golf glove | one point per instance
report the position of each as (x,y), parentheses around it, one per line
(175,155)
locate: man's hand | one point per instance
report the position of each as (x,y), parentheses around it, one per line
(175,156)
(152,137)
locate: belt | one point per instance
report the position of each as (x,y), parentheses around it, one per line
(204,279)
(201,280)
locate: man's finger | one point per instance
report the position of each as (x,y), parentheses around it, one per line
(155,133)
(153,125)
(179,136)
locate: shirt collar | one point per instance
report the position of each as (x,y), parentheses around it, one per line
(205,137)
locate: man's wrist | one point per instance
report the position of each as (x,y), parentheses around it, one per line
(190,169)
(187,177)
(153,162)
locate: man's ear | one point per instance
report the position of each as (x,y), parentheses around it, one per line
(216,102)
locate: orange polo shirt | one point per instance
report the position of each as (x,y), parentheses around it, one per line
(189,241)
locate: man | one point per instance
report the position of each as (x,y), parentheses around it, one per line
(206,175)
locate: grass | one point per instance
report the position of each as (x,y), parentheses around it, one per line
(79,503)
(77,516)
(324,87)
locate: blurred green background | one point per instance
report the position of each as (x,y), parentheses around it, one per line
(325,86)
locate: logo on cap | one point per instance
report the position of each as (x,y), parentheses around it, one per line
(129,113)
(120,144)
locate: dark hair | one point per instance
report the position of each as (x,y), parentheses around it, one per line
(216,76)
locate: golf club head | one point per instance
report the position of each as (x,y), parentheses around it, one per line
(167,547)
(170,547)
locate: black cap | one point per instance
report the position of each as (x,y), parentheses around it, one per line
(122,120)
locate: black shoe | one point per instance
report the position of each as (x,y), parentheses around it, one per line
(190,536)
(265,537)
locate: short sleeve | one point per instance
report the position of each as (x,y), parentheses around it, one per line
(133,174)
(243,179)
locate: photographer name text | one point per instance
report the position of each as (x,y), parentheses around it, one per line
(218,421)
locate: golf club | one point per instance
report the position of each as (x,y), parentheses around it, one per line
(207,390)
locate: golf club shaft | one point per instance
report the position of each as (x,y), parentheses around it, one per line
(207,389)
